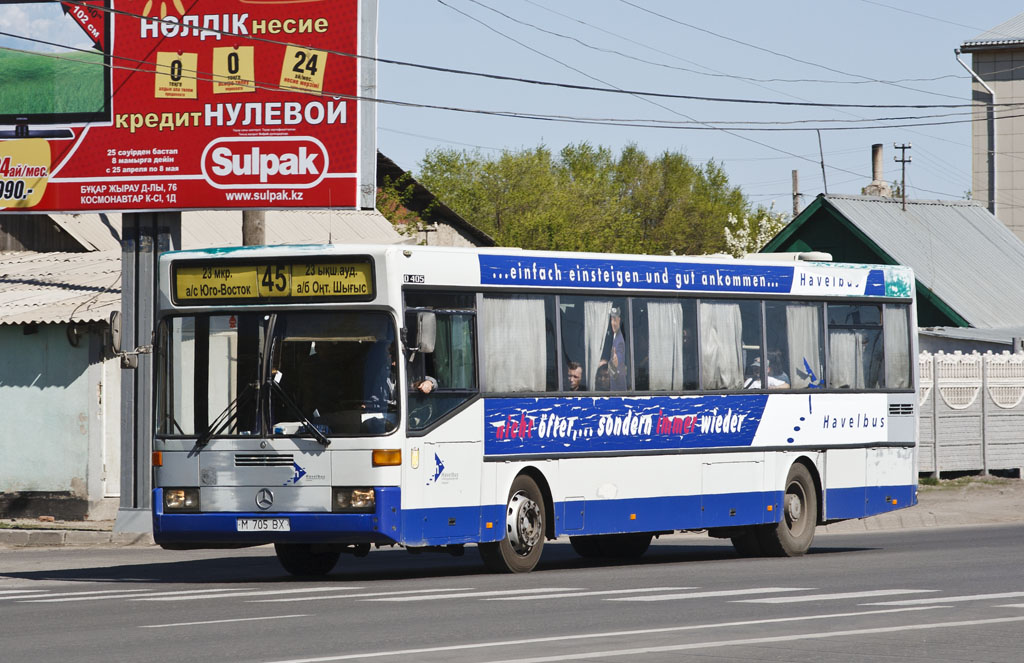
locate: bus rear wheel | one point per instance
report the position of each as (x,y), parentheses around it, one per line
(305,560)
(525,529)
(792,535)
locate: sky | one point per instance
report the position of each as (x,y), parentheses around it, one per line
(871,52)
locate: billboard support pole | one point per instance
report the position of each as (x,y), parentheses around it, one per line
(144,237)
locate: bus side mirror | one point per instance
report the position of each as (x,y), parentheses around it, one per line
(426,331)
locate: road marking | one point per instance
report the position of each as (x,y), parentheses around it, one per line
(835,597)
(953,599)
(467,595)
(116,594)
(746,642)
(98,594)
(713,594)
(1011,605)
(594,636)
(359,596)
(222,621)
(234,594)
(594,593)
(21,591)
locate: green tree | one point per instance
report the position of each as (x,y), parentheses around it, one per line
(587,199)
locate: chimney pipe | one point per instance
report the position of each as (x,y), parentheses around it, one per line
(877,171)
(878,186)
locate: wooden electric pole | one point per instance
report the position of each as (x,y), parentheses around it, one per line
(903,159)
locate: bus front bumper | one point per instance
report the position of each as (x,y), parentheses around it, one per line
(213,530)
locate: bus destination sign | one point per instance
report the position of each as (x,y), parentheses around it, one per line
(256,283)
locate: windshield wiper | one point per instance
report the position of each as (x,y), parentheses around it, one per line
(309,425)
(227,416)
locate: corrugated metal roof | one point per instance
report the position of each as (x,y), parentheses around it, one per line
(213,228)
(1008,33)
(957,249)
(59,287)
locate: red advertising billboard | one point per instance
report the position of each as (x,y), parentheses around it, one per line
(135,105)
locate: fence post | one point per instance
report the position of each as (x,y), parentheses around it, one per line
(984,413)
(935,415)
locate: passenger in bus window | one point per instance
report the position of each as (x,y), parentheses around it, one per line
(425,385)
(603,381)
(753,377)
(616,361)
(576,377)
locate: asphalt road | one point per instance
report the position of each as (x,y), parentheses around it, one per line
(936,594)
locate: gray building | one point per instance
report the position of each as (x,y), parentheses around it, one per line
(997,136)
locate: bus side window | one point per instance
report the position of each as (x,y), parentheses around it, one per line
(795,351)
(518,343)
(595,335)
(897,346)
(664,333)
(730,338)
(855,352)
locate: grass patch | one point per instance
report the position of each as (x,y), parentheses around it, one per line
(43,84)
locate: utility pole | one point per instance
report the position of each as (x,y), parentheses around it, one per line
(253,228)
(903,159)
(821,152)
(796,193)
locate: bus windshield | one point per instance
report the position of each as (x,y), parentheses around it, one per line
(319,374)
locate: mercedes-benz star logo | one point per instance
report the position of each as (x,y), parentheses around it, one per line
(264,498)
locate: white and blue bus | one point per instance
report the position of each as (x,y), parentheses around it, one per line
(329,399)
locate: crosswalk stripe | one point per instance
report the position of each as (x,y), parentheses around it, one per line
(233,594)
(713,594)
(835,597)
(953,599)
(98,594)
(603,592)
(467,595)
(115,594)
(359,596)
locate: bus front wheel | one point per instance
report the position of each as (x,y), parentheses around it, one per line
(303,560)
(520,549)
(793,534)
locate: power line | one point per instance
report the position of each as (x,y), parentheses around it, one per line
(570,86)
(777,53)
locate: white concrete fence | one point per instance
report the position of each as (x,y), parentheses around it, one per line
(971,412)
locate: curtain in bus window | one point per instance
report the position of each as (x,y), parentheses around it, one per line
(721,329)
(897,348)
(803,333)
(665,345)
(846,358)
(514,343)
(595,325)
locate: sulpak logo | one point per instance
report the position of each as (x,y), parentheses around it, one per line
(298,162)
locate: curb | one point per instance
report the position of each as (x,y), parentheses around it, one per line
(42,538)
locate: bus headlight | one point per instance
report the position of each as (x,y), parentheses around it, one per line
(353,500)
(181,499)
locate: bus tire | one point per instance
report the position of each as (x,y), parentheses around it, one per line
(792,535)
(586,546)
(304,561)
(625,546)
(525,523)
(748,544)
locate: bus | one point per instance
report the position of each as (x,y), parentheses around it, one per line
(336,398)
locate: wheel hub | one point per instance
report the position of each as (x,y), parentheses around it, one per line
(523,523)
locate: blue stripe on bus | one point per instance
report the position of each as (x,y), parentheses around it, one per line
(468,524)
(863,501)
(383,526)
(591,423)
(624,274)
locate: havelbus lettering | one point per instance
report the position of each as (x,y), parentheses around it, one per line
(249,282)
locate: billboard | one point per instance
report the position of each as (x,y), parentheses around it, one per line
(121,105)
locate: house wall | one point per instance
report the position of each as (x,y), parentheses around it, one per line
(1003,71)
(57,424)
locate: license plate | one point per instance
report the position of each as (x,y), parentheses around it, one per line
(264,525)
